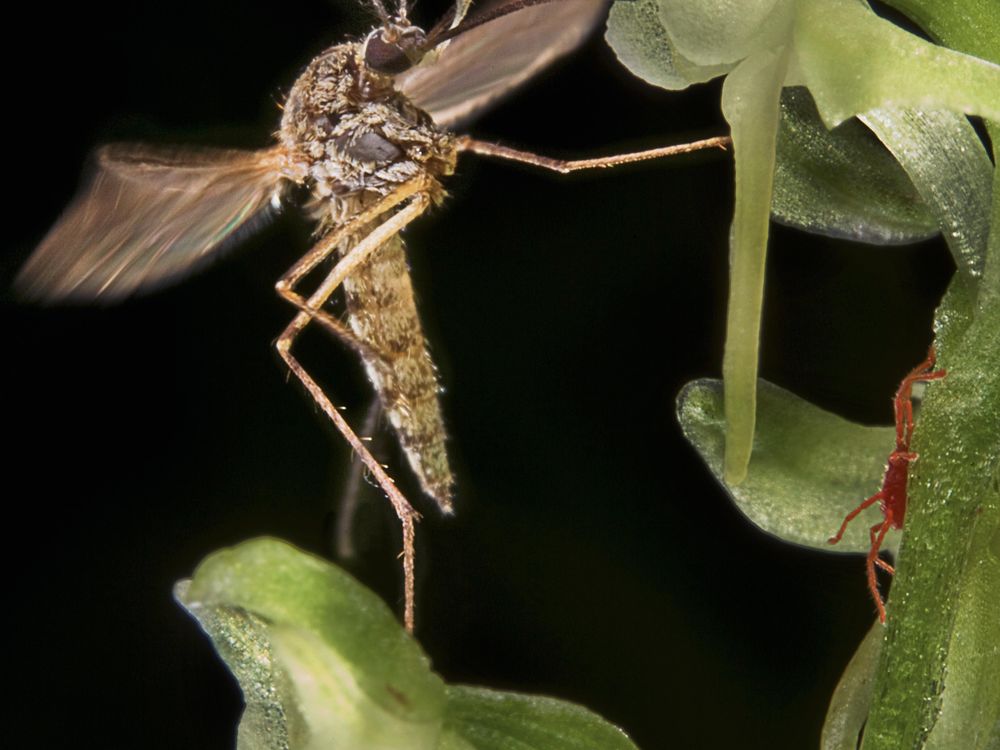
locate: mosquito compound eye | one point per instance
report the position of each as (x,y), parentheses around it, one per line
(385,57)
(370,147)
(395,56)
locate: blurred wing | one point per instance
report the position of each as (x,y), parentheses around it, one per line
(480,65)
(148,217)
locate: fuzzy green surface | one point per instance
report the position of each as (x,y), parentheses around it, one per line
(481,719)
(842,182)
(968,25)
(808,469)
(323,664)
(852,697)
(950,168)
(931,684)
(341,669)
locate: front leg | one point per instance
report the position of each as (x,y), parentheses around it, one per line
(405,512)
(564,166)
(285,286)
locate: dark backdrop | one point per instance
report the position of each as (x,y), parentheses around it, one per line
(592,556)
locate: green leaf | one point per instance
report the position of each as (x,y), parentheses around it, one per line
(750,98)
(841,182)
(942,154)
(853,695)
(808,468)
(972,26)
(970,703)
(937,684)
(490,720)
(642,44)
(335,668)
(934,683)
(323,664)
(942,577)
(853,61)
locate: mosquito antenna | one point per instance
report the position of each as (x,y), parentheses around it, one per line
(380,10)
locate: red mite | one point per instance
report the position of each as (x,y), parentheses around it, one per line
(892,496)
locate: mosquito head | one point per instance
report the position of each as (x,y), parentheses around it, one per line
(394,47)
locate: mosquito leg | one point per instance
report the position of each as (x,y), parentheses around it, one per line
(351,495)
(285,286)
(404,511)
(564,166)
(357,255)
(360,253)
(330,241)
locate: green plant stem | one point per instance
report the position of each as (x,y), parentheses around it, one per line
(935,685)
(750,100)
(953,515)
(951,493)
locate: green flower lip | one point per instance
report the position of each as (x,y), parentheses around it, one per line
(322,662)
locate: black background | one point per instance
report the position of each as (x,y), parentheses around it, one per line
(592,556)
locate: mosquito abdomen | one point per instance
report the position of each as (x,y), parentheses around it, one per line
(383,314)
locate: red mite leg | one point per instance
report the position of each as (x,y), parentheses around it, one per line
(872,535)
(854,514)
(892,495)
(883,529)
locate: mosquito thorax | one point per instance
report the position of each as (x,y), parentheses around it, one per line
(352,131)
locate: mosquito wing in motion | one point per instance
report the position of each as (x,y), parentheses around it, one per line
(148,217)
(482,64)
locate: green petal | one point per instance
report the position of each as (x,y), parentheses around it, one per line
(808,469)
(271,720)
(853,61)
(950,169)
(483,719)
(723,32)
(323,664)
(321,660)
(841,182)
(641,43)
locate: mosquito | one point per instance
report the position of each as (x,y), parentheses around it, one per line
(367,130)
